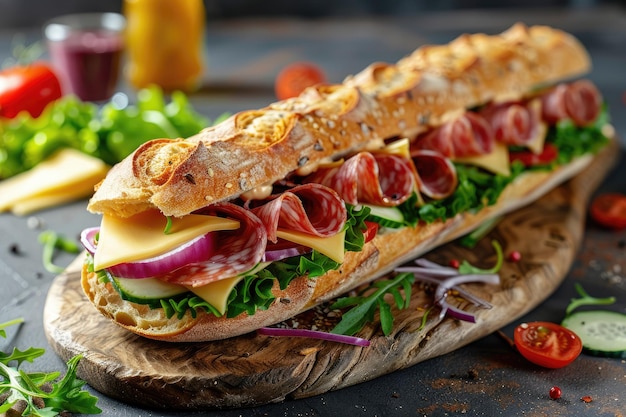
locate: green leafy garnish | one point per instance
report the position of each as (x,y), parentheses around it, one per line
(168,225)
(466,268)
(574,141)
(58,395)
(364,306)
(471,239)
(52,241)
(586,300)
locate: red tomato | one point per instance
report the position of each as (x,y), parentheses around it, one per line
(547,344)
(528,158)
(27,88)
(294,78)
(370,232)
(609,210)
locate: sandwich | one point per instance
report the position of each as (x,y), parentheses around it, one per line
(277,210)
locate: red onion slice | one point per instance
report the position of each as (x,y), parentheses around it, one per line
(195,251)
(283,250)
(314,334)
(446,279)
(88,239)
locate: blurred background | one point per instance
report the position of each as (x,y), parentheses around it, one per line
(19,13)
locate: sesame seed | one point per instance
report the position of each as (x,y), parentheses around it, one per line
(229,185)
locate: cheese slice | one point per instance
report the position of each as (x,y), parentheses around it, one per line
(497,161)
(142,236)
(43,201)
(67,175)
(333,246)
(398,147)
(216,293)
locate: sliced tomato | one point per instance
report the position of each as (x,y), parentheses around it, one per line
(528,158)
(609,210)
(294,78)
(547,344)
(27,88)
(371,231)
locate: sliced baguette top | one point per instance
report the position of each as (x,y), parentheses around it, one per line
(258,147)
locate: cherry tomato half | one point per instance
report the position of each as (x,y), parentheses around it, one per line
(547,344)
(294,78)
(609,210)
(528,158)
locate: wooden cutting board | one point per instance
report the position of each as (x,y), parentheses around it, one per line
(254,369)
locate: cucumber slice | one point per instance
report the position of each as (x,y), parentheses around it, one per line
(602,332)
(386,216)
(146,290)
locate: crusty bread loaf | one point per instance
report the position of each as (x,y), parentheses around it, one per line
(386,251)
(258,147)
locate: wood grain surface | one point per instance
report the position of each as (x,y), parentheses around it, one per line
(254,369)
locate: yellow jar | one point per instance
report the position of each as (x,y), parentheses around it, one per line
(164,43)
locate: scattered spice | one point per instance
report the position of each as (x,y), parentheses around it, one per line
(15,249)
(454,263)
(555,393)
(586,399)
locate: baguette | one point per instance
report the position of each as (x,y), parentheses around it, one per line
(325,123)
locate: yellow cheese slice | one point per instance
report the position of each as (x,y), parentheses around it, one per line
(67,175)
(497,161)
(216,293)
(75,192)
(398,147)
(333,246)
(142,236)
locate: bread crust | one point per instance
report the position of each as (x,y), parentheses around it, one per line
(378,257)
(258,147)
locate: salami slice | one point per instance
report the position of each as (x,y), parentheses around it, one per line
(381,179)
(467,135)
(309,208)
(437,175)
(579,102)
(237,251)
(514,123)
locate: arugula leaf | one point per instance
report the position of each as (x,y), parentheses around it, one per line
(64,395)
(364,306)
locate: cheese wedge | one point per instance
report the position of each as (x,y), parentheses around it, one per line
(142,236)
(497,161)
(216,293)
(66,176)
(333,246)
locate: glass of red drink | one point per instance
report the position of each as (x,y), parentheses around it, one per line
(86,50)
